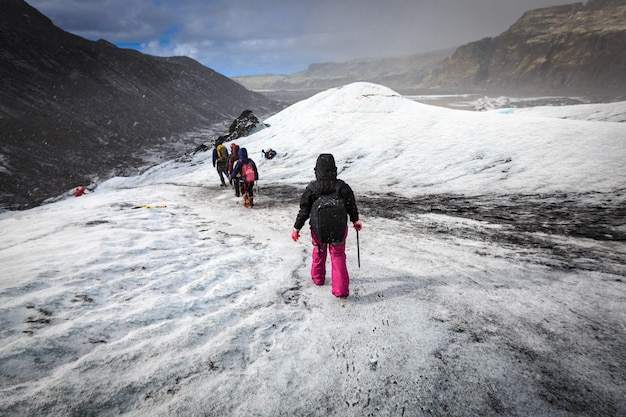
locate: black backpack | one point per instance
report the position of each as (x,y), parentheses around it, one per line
(329,217)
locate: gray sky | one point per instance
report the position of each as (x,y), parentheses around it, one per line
(243,37)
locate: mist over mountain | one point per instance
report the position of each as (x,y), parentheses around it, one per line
(563,50)
(571,49)
(404,74)
(73,109)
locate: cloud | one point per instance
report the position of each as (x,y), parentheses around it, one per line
(248,36)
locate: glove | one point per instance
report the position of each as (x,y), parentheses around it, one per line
(358,225)
(295,235)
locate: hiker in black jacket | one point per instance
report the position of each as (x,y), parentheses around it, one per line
(325,184)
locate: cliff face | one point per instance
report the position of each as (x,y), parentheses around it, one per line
(578,48)
(72,109)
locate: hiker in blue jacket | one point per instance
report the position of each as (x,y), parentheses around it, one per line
(249,173)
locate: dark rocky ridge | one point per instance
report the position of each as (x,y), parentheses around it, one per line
(72,109)
(571,49)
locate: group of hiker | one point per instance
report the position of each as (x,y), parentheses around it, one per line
(238,168)
(327,202)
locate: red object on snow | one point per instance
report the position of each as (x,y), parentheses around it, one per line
(79,191)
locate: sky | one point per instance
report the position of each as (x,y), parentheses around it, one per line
(201,307)
(246,37)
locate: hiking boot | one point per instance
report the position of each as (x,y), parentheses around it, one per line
(247,203)
(250,202)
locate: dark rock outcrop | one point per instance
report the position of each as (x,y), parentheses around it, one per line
(72,109)
(243,125)
(571,49)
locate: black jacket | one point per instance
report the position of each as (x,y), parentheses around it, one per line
(312,192)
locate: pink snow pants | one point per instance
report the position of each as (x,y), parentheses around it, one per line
(340,277)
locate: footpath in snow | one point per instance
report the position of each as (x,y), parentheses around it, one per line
(491,280)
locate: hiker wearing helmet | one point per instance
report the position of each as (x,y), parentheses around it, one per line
(329,203)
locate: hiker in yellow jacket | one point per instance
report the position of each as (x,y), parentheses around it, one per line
(220,160)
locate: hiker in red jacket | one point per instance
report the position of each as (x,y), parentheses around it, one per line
(232,161)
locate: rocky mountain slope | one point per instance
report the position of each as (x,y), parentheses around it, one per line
(571,49)
(72,109)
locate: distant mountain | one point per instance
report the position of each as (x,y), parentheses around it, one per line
(403,74)
(572,49)
(72,109)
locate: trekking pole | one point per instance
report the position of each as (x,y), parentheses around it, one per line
(358,249)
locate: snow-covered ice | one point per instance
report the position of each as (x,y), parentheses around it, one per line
(482,288)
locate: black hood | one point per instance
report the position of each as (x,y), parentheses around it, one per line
(325,168)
